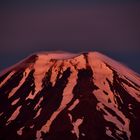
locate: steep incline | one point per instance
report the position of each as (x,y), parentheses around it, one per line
(55,96)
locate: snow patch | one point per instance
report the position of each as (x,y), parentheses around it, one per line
(7,78)
(14,115)
(19,132)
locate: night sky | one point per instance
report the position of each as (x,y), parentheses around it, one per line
(109,26)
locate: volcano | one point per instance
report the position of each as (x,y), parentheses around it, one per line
(65,96)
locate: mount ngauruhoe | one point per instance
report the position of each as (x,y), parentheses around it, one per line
(64,96)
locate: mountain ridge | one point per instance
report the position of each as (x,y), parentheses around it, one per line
(96,54)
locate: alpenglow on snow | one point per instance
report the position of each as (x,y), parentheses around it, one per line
(64,96)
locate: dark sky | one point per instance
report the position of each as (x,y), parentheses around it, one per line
(111,27)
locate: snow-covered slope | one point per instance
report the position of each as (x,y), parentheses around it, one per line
(59,95)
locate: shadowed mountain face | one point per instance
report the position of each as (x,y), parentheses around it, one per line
(51,96)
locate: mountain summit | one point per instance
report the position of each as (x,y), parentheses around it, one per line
(58,95)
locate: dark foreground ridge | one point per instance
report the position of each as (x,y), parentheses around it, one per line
(69,97)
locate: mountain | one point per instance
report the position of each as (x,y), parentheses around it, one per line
(64,96)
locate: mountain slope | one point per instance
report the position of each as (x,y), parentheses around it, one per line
(69,96)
